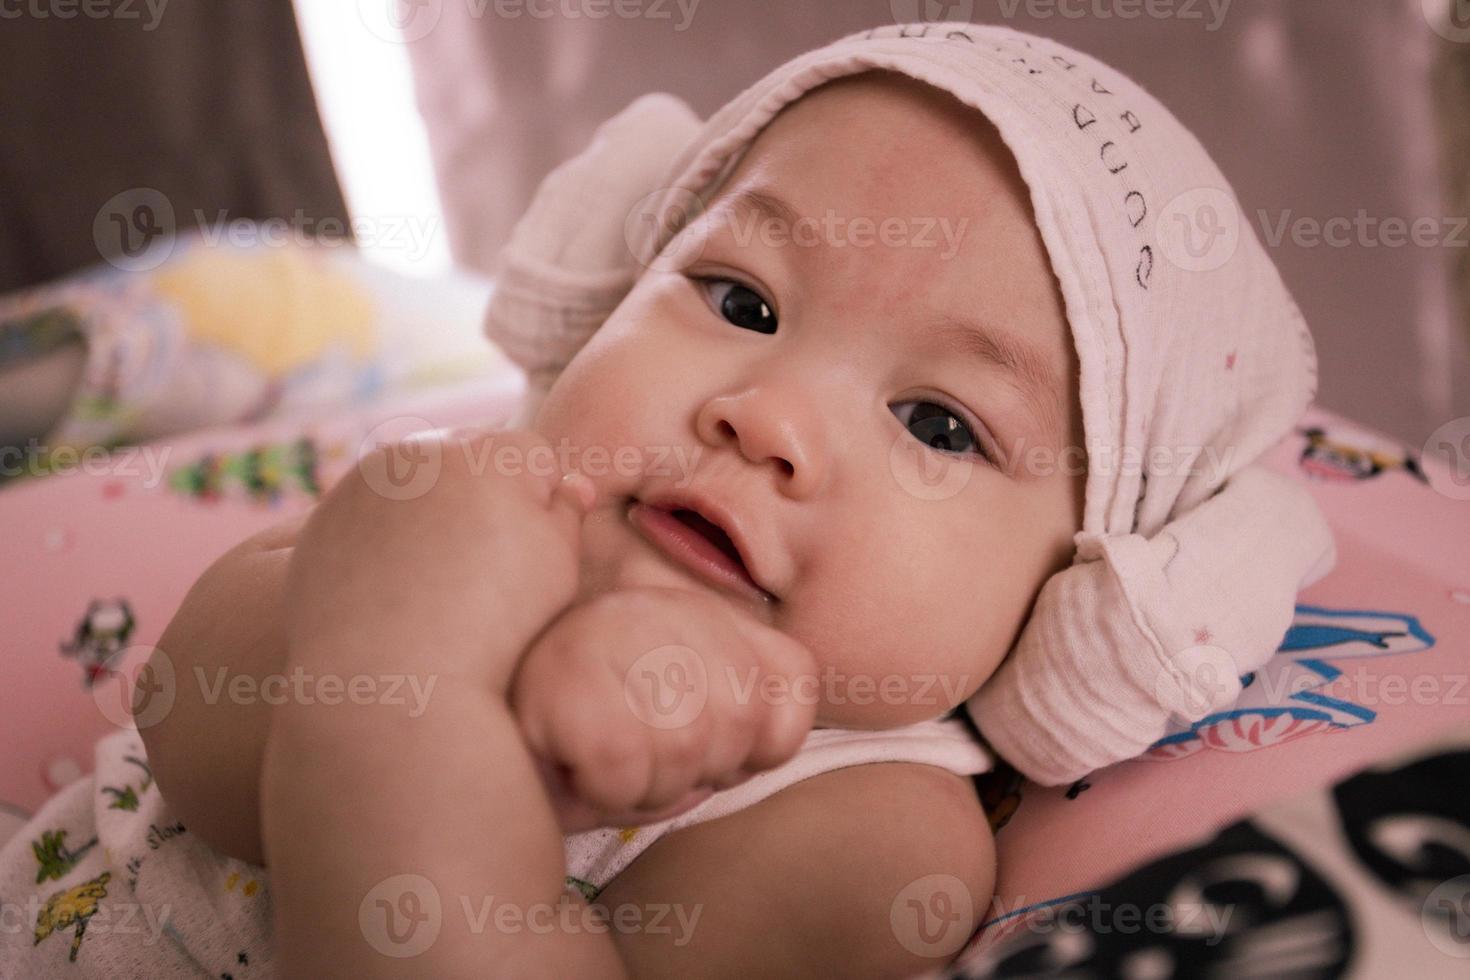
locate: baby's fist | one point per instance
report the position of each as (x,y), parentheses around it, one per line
(641,702)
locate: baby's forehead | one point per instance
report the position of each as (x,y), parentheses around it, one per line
(880,143)
(881,113)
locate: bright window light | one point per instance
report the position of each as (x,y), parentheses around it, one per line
(364,90)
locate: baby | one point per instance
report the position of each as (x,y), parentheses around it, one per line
(745,675)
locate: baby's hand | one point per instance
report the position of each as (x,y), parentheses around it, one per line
(450,575)
(641,702)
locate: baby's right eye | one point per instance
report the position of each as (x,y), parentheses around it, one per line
(739,304)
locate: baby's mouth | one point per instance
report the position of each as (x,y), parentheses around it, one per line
(712,532)
(700,545)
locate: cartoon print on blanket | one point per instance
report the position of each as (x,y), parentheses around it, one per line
(54,858)
(1281,701)
(100,635)
(1347,458)
(262,473)
(72,908)
(125,797)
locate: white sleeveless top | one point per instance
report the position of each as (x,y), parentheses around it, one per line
(596,857)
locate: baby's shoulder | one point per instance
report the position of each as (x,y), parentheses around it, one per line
(833,871)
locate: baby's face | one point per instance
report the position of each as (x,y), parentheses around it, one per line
(819,375)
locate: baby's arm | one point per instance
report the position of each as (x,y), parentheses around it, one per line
(877,870)
(370,810)
(207,757)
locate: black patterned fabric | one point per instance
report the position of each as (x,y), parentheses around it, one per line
(1368,878)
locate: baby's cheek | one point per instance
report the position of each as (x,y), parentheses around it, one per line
(875,664)
(904,636)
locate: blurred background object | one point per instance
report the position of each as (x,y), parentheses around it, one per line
(207,105)
(1452,88)
(198,334)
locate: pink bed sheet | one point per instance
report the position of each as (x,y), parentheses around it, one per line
(97,557)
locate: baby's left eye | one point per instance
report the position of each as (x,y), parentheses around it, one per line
(739,304)
(939,428)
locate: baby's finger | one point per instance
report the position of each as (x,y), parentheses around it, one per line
(785,725)
(785,721)
(668,782)
(609,769)
(728,755)
(639,818)
(575,491)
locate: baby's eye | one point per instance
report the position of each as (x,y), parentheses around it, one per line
(939,428)
(739,304)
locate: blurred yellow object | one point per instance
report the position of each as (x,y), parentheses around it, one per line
(278,308)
